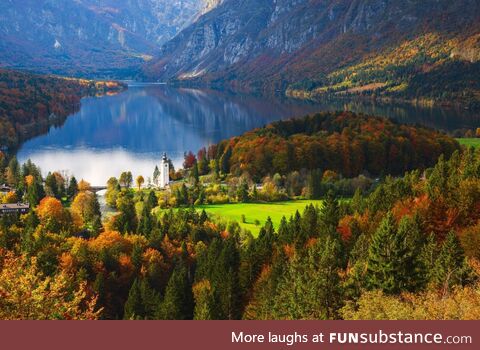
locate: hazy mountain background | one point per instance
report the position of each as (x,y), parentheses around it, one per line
(89,37)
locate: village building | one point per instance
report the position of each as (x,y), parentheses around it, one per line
(17,208)
(5,189)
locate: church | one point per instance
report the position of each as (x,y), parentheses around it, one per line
(164,172)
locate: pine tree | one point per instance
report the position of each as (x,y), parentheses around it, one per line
(72,189)
(203,217)
(329,215)
(308,225)
(357,203)
(204,301)
(315,184)
(428,257)
(152,200)
(137,257)
(178,300)
(285,235)
(254,193)
(99,286)
(150,300)
(415,243)
(450,266)
(388,259)
(310,288)
(156,175)
(242,193)
(226,282)
(225,161)
(195,174)
(145,224)
(134,309)
(126,220)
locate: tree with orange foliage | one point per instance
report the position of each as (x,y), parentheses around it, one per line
(52,215)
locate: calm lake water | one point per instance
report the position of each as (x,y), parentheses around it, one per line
(131,130)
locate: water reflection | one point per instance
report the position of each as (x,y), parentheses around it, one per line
(131,130)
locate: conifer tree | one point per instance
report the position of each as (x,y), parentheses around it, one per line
(329,215)
(415,242)
(285,235)
(156,175)
(137,256)
(315,184)
(242,194)
(310,288)
(134,309)
(72,189)
(388,259)
(428,257)
(152,200)
(195,174)
(99,286)
(178,300)
(308,225)
(450,266)
(145,224)
(204,301)
(203,217)
(226,282)
(254,193)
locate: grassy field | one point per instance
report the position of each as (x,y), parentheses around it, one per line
(258,211)
(473,142)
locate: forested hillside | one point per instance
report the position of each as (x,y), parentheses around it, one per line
(414,50)
(30,104)
(343,142)
(409,249)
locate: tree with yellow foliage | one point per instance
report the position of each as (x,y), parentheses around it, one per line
(10,198)
(26,294)
(85,206)
(140,181)
(84,186)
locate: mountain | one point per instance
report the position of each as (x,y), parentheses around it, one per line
(410,49)
(89,37)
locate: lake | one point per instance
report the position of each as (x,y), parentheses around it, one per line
(131,130)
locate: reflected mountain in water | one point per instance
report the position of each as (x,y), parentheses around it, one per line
(131,130)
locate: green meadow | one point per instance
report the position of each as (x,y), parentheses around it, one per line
(257,212)
(470,142)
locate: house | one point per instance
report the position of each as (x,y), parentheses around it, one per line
(5,189)
(17,208)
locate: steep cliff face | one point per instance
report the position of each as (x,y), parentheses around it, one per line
(271,44)
(88,36)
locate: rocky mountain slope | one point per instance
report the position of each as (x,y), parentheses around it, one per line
(89,36)
(309,47)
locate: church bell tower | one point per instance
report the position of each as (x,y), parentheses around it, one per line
(164,172)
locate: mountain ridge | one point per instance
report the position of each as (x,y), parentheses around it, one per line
(270,45)
(89,37)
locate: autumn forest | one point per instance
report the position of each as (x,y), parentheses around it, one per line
(240,160)
(408,239)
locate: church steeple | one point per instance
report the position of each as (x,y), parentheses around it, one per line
(164,172)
